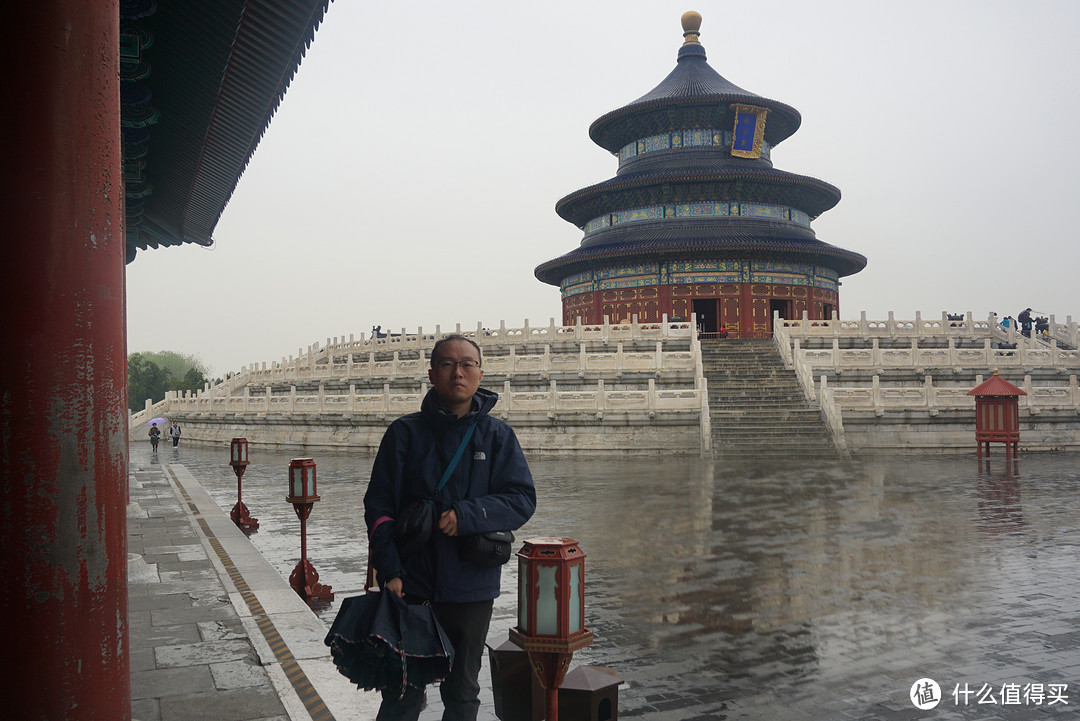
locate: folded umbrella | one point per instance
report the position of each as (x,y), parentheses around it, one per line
(380,642)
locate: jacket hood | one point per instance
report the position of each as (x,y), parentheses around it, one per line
(482,403)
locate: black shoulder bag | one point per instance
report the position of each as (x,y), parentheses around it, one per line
(490,549)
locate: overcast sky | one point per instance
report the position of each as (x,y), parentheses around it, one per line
(410,177)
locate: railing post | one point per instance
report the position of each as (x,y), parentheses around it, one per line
(507,395)
(928,388)
(706,422)
(553,397)
(659,355)
(600,395)
(352,398)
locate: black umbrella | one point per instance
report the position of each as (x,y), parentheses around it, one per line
(380,642)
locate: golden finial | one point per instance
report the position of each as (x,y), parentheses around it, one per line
(691,25)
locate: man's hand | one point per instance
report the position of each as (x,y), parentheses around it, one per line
(394,585)
(448,522)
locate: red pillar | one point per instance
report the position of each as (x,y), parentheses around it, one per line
(63,373)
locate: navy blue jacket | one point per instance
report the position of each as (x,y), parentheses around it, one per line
(493,482)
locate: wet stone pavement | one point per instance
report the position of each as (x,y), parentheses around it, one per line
(780,593)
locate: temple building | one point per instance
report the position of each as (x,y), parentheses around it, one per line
(697,219)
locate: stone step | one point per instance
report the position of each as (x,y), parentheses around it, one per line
(757,406)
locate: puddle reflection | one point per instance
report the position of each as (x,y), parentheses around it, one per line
(831,586)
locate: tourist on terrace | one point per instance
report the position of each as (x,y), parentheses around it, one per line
(1024,319)
(155,436)
(174,433)
(492,490)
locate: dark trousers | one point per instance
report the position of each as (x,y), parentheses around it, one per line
(466,625)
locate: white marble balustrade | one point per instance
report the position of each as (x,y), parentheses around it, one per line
(596,399)
(422,341)
(916,358)
(547,362)
(935,397)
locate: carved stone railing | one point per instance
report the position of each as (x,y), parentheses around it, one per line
(597,400)
(548,362)
(933,398)
(916,358)
(967,327)
(422,340)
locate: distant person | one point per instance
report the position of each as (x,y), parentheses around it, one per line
(155,436)
(174,433)
(1006,323)
(1024,319)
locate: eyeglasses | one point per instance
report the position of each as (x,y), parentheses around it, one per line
(467,365)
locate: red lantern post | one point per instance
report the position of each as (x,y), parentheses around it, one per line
(997,415)
(551,610)
(303,495)
(238,459)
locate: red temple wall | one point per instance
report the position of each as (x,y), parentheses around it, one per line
(743,307)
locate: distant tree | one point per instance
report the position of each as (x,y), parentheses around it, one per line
(194,380)
(145,380)
(177,364)
(151,375)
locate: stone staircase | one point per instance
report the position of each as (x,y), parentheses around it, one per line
(757,408)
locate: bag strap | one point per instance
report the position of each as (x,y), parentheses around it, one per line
(379,522)
(456,458)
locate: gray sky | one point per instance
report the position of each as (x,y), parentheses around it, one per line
(410,177)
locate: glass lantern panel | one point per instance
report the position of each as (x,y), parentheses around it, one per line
(297,482)
(236,451)
(576,600)
(523,597)
(547,602)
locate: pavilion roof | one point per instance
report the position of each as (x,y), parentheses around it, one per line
(692,95)
(201,82)
(996,386)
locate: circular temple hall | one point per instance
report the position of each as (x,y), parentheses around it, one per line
(697,219)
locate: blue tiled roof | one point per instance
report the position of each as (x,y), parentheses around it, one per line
(692,82)
(729,240)
(808,194)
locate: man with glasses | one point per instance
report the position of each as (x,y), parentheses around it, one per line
(492,491)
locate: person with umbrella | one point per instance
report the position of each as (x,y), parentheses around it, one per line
(155,436)
(489,488)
